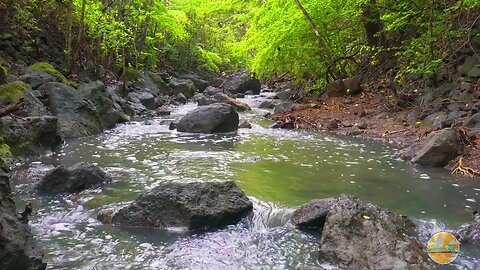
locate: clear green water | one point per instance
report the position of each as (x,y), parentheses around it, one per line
(279,169)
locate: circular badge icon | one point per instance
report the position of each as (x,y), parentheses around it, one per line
(443,248)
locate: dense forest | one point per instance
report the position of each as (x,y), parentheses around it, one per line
(316,41)
(239,134)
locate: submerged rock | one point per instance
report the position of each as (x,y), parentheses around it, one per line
(439,148)
(199,205)
(215,118)
(357,235)
(75,179)
(18,249)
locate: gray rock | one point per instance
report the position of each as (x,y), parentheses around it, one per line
(362,125)
(287,105)
(36,79)
(163,111)
(244,124)
(268,104)
(382,239)
(437,150)
(202,99)
(32,106)
(144,98)
(474,73)
(470,233)
(77,117)
(454,107)
(249,93)
(436,119)
(197,206)
(211,91)
(109,112)
(199,83)
(215,118)
(181,98)
(18,248)
(242,82)
(454,117)
(285,95)
(473,121)
(183,86)
(80,177)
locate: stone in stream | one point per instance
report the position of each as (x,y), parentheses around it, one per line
(470,233)
(244,124)
(144,98)
(215,118)
(358,235)
(242,82)
(184,86)
(196,206)
(18,249)
(75,179)
(199,83)
(439,148)
(77,117)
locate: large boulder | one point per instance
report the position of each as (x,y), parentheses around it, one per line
(215,118)
(75,179)
(36,79)
(242,82)
(159,82)
(184,86)
(144,98)
(46,68)
(470,233)
(18,249)
(109,112)
(439,148)
(357,235)
(198,205)
(32,106)
(77,116)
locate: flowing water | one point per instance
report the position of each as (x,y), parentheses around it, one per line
(278,169)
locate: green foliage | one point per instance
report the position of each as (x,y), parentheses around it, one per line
(5,153)
(48,68)
(3,74)
(12,92)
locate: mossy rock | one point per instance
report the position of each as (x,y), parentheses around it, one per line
(5,153)
(3,74)
(157,80)
(12,92)
(48,68)
(132,74)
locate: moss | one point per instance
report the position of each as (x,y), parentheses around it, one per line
(157,80)
(5,153)
(48,68)
(132,74)
(3,74)
(10,93)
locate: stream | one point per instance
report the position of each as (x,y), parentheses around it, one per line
(278,169)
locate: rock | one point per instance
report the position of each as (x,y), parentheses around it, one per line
(268,104)
(11,93)
(244,124)
(3,74)
(181,98)
(172,126)
(77,117)
(215,118)
(75,179)
(362,125)
(454,107)
(355,133)
(203,100)
(382,238)
(30,136)
(466,86)
(436,120)
(238,105)
(199,83)
(345,87)
(196,206)
(159,82)
(383,115)
(242,82)
(186,87)
(32,106)
(109,112)
(474,72)
(163,111)
(437,150)
(211,91)
(315,106)
(285,95)
(454,117)
(332,124)
(36,79)
(44,67)
(473,121)
(145,98)
(468,64)
(240,95)
(249,93)
(18,249)
(287,105)
(413,116)
(470,233)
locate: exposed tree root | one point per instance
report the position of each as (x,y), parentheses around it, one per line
(462,169)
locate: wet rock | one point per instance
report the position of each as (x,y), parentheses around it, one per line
(355,133)
(77,117)
(345,87)
(196,206)
(249,93)
(468,64)
(240,95)
(287,105)
(172,126)
(242,82)
(437,150)
(144,98)
(203,100)
(244,124)
(199,83)
(184,86)
(181,98)
(362,125)
(18,249)
(332,124)
(163,111)
(211,91)
(470,233)
(109,112)
(238,105)
(382,239)
(473,121)
(75,179)
(32,106)
(268,104)
(215,118)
